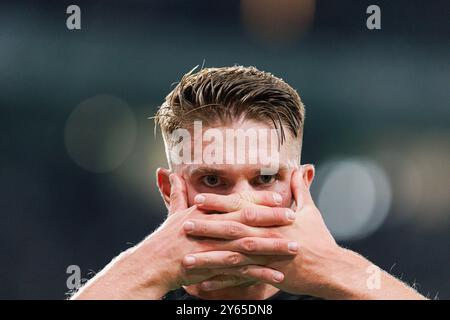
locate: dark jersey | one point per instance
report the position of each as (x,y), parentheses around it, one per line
(181,294)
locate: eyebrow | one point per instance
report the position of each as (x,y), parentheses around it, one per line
(207,171)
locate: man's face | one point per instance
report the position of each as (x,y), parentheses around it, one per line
(265,168)
(262,165)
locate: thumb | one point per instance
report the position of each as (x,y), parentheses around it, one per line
(300,191)
(178,197)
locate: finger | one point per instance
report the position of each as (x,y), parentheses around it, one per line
(220,229)
(237,201)
(222,282)
(194,276)
(251,272)
(178,197)
(221,259)
(255,246)
(301,193)
(258,216)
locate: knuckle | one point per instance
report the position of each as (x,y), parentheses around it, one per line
(248,244)
(201,227)
(205,260)
(249,215)
(233,230)
(249,197)
(280,215)
(236,201)
(272,234)
(266,274)
(221,284)
(276,216)
(278,245)
(233,259)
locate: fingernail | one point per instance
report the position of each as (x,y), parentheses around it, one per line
(277,198)
(278,276)
(290,215)
(207,286)
(172,178)
(189,260)
(292,246)
(199,199)
(188,226)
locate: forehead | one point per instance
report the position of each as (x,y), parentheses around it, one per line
(242,145)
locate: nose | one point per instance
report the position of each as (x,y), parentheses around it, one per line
(242,186)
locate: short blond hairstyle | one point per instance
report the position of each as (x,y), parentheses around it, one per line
(223,94)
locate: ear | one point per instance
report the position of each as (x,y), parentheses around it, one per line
(308,174)
(162,179)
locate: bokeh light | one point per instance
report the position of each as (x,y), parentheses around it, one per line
(354,197)
(100,133)
(419,165)
(277,21)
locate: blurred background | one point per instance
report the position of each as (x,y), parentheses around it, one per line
(78,152)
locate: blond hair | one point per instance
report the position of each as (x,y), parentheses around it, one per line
(223,94)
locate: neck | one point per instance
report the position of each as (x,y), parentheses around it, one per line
(259,291)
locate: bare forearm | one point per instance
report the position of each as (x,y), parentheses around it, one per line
(124,279)
(354,277)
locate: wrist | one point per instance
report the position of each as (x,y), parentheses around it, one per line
(147,275)
(130,276)
(346,276)
(351,276)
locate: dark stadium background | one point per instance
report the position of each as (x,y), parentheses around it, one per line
(78,152)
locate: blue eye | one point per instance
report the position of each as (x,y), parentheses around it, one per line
(211,180)
(265,179)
